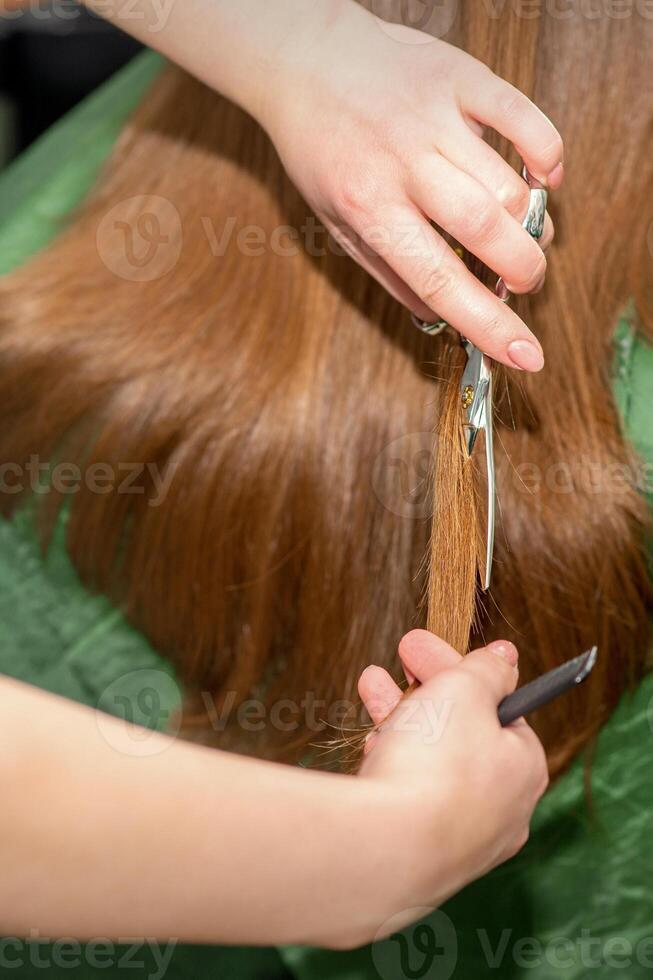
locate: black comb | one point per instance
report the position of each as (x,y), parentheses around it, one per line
(547,687)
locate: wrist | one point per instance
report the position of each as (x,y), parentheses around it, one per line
(425,839)
(292,63)
(359,861)
(400,847)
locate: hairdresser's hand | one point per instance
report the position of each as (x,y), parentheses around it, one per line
(469,785)
(381,130)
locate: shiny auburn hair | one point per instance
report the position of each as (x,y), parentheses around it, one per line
(291,405)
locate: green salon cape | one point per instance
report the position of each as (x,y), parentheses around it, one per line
(576,902)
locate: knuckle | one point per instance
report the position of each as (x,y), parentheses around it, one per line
(485,222)
(515,197)
(537,270)
(357,197)
(435,282)
(512,103)
(484,74)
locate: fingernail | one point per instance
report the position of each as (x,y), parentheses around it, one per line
(502,291)
(505,649)
(526,355)
(555,177)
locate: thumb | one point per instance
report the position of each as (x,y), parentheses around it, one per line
(496,666)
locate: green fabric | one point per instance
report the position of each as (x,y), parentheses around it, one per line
(575,903)
(55,634)
(51,177)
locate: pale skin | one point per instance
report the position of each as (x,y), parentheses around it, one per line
(198,845)
(381,129)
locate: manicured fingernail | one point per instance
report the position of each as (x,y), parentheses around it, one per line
(555,177)
(526,355)
(505,649)
(502,291)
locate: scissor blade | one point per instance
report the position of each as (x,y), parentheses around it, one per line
(483,462)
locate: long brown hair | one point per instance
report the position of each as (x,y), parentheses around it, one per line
(289,401)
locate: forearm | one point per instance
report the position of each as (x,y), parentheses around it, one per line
(238,47)
(185,842)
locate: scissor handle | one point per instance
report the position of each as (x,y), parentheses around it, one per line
(533,222)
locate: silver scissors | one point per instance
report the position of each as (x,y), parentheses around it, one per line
(476,390)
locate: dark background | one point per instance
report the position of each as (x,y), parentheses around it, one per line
(51,56)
